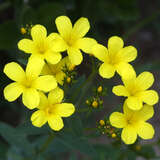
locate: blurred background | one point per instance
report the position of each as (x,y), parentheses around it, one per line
(136,21)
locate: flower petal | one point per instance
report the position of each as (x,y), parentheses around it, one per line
(120,91)
(128,54)
(149,97)
(129,135)
(14,71)
(80,28)
(134,103)
(100,52)
(59,45)
(53,57)
(43,101)
(60,77)
(34,67)
(125,70)
(26,45)
(55,122)
(64,26)
(146,112)
(85,44)
(38,118)
(55,96)
(30,98)
(64,109)
(106,70)
(117,120)
(45,83)
(13,91)
(75,56)
(115,44)
(145,80)
(38,32)
(145,130)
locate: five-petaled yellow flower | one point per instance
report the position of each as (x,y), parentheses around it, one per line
(51,110)
(41,46)
(28,84)
(133,123)
(72,38)
(115,58)
(57,70)
(135,89)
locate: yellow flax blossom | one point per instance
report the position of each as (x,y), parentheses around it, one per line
(133,123)
(57,69)
(71,38)
(115,58)
(27,83)
(51,110)
(135,89)
(41,46)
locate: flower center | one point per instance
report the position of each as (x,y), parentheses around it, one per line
(42,47)
(27,83)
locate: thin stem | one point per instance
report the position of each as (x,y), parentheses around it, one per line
(46,144)
(141,24)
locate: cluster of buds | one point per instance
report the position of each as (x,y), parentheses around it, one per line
(70,74)
(96,100)
(25,30)
(105,128)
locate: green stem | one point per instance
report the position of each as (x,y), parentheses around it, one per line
(141,24)
(46,144)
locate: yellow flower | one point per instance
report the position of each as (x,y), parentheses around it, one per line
(41,46)
(51,110)
(27,83)
(133,123)
(57,69)
(135,89)
(72,38)
(94,104)
(115,58)
(101,122)
(23,30)
(99,89)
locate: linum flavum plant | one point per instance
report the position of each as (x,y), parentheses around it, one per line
(48,83)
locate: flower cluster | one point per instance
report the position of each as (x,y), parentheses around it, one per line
(48,68)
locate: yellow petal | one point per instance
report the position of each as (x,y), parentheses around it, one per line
(55,122)
(145,80)
(64,109)
(59,45)
(106,70)
(129,135)
(126,110)
(115,44)
(149,97)
(80,28)
(43,101)
(13,91)
(46,70)
(146,112)
(34,67)
(55,96)
(45,83)
(127,54)
(26,45)
(85,44)
(64,26)
(14,71)
(125,70)
(117,120)
(145,130)
(134,103)
(60,77)
(120,91)
(53,57)
(38,32)
(100,52)
(30,98)
(38,118)
(75,56)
